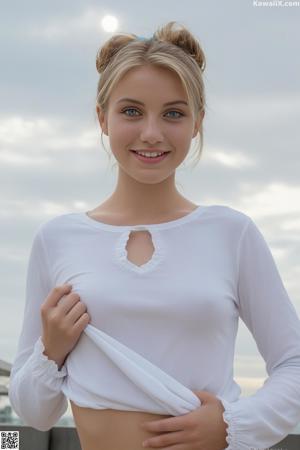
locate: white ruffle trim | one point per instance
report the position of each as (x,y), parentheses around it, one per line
(46,365)
(156,259)
(229,420)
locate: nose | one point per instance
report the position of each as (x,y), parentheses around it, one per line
(151,132)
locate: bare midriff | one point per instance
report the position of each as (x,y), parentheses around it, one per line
(112,429)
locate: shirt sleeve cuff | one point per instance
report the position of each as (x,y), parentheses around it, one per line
(229,419)
(45,368)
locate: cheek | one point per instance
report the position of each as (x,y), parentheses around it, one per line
(180,132)
(181,139)
(120,139)
(122,132)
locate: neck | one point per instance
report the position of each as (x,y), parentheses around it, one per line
(145,200)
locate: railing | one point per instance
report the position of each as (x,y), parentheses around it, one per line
(66,438)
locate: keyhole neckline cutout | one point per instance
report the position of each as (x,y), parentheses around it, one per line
(200,209)
(156,258)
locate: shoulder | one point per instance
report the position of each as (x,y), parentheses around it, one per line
(56,225)
(226,216)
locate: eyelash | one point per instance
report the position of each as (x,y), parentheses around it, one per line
(126,109)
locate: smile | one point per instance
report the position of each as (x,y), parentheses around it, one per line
(150,159)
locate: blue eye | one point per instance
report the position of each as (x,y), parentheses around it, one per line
(134,109)
(177,112)
(128,109)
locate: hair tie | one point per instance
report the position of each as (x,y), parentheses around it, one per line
(142,38)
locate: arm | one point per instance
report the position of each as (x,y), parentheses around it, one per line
(35,381)
(265,418)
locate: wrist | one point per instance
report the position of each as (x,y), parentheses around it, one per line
(58,360)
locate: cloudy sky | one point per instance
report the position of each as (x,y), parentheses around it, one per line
(52,160)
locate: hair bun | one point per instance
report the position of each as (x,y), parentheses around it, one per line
(183,38)
(110,49)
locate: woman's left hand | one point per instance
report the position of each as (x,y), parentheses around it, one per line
(201,429)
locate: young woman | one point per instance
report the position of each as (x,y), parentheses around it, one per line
(132,308)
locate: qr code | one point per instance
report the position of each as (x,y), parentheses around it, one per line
(9,439)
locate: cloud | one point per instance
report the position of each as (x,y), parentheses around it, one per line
(68,27)
(259,202)
(233,159)
(51,156)
(35,141)
(261,109)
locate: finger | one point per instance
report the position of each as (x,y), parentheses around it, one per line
(165,440)
(205,396)
(68,302)
(81,322)
(78,309)
(56,293)
(175,447)
(177,423)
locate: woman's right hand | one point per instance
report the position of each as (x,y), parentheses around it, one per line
(64,318)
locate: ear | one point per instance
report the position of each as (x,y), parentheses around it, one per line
(102,119)
(198,123)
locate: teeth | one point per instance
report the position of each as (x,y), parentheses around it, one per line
(150,155)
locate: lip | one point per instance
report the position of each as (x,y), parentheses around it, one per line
(148,160)
(152,150)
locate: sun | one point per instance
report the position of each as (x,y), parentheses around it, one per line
(109,23)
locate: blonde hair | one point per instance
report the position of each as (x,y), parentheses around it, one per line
(175,49)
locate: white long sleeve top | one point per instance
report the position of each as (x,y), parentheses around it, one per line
(162,329)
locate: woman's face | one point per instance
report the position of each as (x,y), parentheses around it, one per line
(151,125)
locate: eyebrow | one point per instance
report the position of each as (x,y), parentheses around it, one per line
(132,100)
